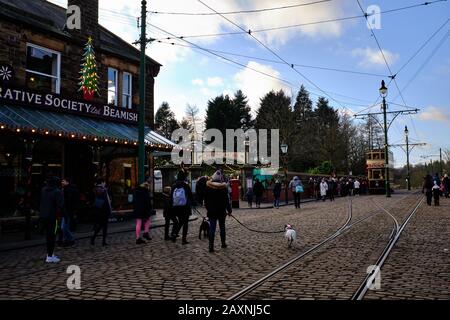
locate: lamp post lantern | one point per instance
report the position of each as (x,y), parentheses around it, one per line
(284,150)
(383,93)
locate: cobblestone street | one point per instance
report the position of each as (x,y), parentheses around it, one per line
(417,268)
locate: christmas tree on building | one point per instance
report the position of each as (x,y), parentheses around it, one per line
(89,77)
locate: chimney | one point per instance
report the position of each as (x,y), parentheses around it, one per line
(89,20)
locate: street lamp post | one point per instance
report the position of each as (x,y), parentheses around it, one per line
(284,150)
(383,93)
(407,159)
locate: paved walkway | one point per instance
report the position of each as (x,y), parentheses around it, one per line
(165,270)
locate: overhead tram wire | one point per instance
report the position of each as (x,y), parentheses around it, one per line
(278,56)
(279,62)
(241,11)
(305,24)
(290,83)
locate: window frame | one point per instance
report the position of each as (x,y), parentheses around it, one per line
(116,86)
(130,89)
(58,65)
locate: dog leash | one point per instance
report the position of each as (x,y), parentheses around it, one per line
(253,230)
(250,229)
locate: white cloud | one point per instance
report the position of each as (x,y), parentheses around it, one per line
(198,82)
(255,86)
(434,114)
(371,57)
(215,82)
(113,15)
(208,92)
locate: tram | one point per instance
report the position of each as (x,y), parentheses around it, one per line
(375,167)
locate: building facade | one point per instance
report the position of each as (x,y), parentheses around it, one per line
(48,125)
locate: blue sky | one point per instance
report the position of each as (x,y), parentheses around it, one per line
(194,77)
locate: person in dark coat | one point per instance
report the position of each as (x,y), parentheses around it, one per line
(181,200)
(102,210)
(142,209)
(52,202)
(277,194)
(168,214)
(200,188)
(71,203)
(446,183)
(217,203)
(427,188)
(258,190)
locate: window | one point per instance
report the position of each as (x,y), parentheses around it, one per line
(112,86)
(126,90)
(43,69)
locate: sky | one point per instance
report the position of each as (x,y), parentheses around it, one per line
(193,76)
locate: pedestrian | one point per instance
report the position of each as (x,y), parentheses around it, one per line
(436,193)
(200,188)
(427,188)
(297,188)
(181,200)
(71,204)
(351,186)
(142,210)
(258,190)
(356,185)
(217,203)
(102,210)
(323,189)
(311,187)
(277,194)
(249,196)
(446,182)
(332,185)
(52,203)
(168,214)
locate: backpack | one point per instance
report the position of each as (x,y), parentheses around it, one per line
(179,197)
(299,189)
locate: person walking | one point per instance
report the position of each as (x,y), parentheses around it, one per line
(217,205)
(436,193)
(332,185)
(446,183)
(52,203)
(277,194)
(249,195)
(142,209)
(168,214)
(71,203)
(323,189)
(181,200)
(258,190)
(200,188)
(427,188)
(297,188)
(102,210)
(356,185)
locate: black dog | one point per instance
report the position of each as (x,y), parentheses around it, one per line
(204,227)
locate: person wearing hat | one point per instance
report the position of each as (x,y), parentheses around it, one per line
(142,209)
(181,200)
(217,205)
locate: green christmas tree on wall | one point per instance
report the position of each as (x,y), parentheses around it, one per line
(89,77)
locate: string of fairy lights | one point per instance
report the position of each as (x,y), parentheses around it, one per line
(88,138)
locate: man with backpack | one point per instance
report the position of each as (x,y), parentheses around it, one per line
(181,200)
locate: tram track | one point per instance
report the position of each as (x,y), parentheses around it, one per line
(348,225)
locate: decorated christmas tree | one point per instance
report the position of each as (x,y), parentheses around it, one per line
(89,77)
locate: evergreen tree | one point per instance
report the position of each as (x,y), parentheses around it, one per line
(165,122)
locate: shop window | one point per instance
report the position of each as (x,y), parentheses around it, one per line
(127,90)
(43,69)
(112,86)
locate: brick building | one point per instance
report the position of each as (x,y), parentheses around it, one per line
(47,127)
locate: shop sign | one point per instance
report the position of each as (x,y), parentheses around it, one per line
(59,103)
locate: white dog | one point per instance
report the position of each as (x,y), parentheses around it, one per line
(290,235)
